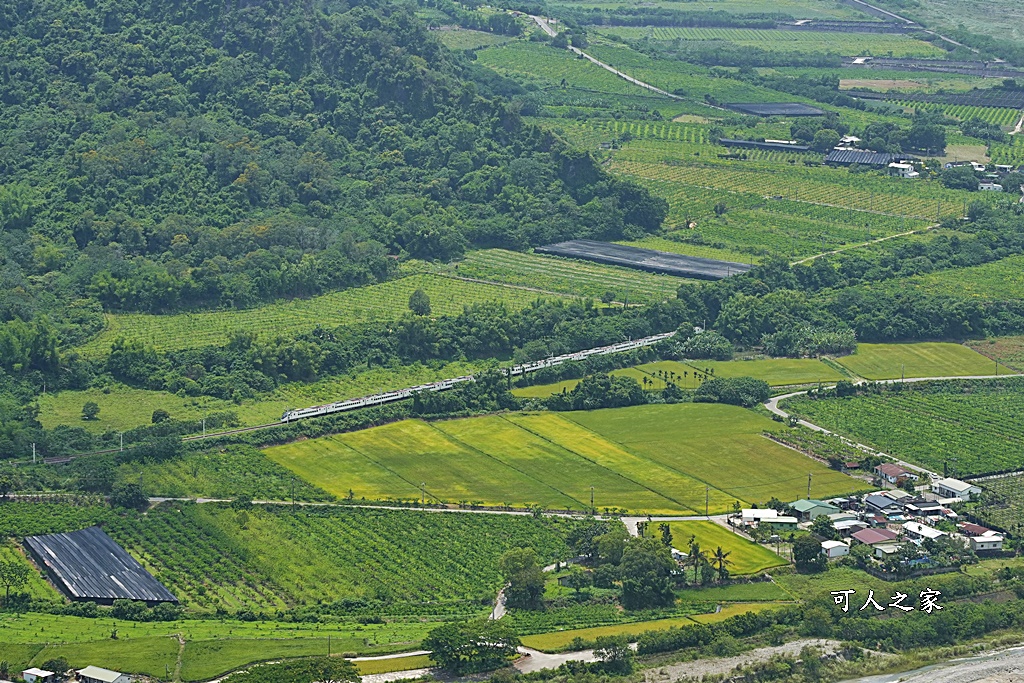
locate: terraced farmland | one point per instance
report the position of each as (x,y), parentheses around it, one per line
(846,44)
(579,278)
(384,301)
(664,466)
(967,427)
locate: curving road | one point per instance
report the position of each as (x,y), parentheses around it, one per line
(772,405)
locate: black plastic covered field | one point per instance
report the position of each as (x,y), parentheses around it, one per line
(89,565)
(645,259)
(776,109)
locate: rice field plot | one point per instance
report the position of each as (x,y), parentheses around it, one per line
(746,557)
(923,359)
(568,276)
(967,427)
(846,44)
(384,301)
(468,39)
(556,640)
(718,445)
(774,371)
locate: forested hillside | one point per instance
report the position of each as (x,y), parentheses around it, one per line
(190,154)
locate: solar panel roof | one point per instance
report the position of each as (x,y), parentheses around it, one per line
(89,565)
(645,259)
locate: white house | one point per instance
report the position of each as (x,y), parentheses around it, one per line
(834,549)
(903,170)
(954,488)
(33,675)
(978,168)
(94,674)
(990,187)
(990,541)
(918,530)
(752,516)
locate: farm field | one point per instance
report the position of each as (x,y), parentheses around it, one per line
(273,557)
(553,460)
(468,39)
(1009,351)
(805,42)
(556,640)
(382,301)
(998,280)
(717,444)
(567,276)
(967,427)
(125,408)
(923,359)
(731,610)
(211,647)
(1004,504)
(746,557)
(801,9)
(759,591)
(37,586)
(774,371)
(545,390)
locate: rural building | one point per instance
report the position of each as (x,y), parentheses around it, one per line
(89,565)
(920,531)
(989,542)
(807,510)
(862,157)
(875,536)
(893,473)
(849,141)
(978,168)
(782,522)
(886,549)
(41,675)
(755,515)
(971,529)
(834,549)
(1004,168)
(881,504)
(848,526)
(774,145)
(954,488)
(903,170)
(94,674)
(990,187)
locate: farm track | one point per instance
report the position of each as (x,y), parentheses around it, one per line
(863,244)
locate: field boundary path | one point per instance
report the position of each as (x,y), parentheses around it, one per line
(808,259)
(772,405)
(546,27)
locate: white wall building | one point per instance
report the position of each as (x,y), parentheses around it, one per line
(834,549)
(954,488)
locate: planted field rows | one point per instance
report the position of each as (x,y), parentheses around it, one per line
(212,556)
(846,44)
(1000,116)
(579,278)
(967,430)
(1011,153)
(385,301)
(467,39)
(815,190)
(554,460)
(1004,506)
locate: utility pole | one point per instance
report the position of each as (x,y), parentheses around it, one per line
(204,426)
(328,644)
(33,452)
(121,447)
(423,492)
(809,485)
(591,498)
(707,499)
(293,493)
(903,369)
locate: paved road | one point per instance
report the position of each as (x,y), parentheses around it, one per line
(772,405)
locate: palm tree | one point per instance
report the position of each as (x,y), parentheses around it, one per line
(697,558)
(720,560)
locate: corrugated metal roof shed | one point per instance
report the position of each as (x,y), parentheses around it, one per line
(645,259)
(848,157)
(89,565)
(754,144)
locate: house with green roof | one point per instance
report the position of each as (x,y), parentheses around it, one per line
(808,509)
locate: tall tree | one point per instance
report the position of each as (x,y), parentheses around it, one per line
(524,578)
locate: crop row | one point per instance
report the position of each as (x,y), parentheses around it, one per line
(1000,116)
(1011,153)
(849,44)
